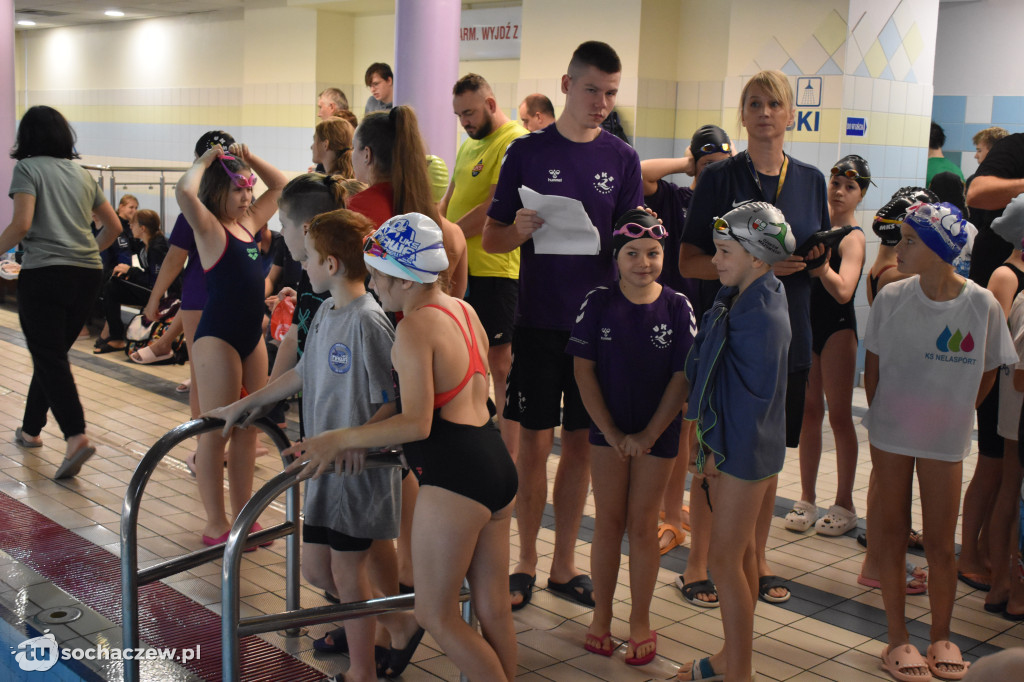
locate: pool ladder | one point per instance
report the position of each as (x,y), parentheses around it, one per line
(233,626)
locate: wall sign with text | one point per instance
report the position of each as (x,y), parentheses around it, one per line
(491,33)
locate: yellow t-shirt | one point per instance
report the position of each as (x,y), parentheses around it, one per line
(476,171)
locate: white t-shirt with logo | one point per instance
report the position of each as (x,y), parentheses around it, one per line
(932,355)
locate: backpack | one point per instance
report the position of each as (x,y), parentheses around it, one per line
(140,334)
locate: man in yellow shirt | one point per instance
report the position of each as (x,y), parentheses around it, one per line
(493,277)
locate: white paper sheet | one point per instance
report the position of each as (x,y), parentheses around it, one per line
(567,229)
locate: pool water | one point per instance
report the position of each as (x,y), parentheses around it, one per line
(23,646)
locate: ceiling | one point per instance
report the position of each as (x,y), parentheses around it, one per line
(52,13)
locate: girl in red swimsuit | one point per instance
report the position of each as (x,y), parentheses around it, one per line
(467,478)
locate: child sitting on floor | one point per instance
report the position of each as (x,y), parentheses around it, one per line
(345,377)
(737,372)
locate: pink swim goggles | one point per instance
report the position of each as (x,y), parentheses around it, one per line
(637,231)
(237,179)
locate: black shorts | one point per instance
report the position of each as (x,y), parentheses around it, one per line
(541,380)
(990,443)
(339,542)
(796,392)
(494,300)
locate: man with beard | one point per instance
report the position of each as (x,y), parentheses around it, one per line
(493,277)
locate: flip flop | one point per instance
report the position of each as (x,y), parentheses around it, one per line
(105,347)
(914,541)
(646,658)
(766,583)
(997,608)
(73,464)
(580,590)
(911,577)
(1015,617)
(599,648)
(975,580)
(338,644)
(19,438)
(184,387)
(392,662)
(523,584)
(946,653)
(678,536)
(902,658)
(691,590)
(836,521)
(701,670)
(146,356)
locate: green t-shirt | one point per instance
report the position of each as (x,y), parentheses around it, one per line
(476,171)
(938,165)
(66,196)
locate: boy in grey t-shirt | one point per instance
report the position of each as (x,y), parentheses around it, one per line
(345,378)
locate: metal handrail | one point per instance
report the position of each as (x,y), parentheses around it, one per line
(132,578)
(113,170)
(233,626)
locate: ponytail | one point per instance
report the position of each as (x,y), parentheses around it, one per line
(338,133)
(409,177)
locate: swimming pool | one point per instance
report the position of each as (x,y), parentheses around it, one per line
(26,654)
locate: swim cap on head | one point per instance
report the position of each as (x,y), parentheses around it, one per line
(854,167)
(635,224)
(760,228)
(1010,225)
(940,227)
(409,247)
(211,138)
(709,139)
(889,218)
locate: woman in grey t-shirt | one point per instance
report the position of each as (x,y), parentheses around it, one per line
(61,271)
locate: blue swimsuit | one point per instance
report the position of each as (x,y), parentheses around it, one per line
(234,305)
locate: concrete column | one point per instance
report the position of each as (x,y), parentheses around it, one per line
(7,104)
(426,66)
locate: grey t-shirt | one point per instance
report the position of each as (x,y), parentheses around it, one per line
(346,377)
(65,197)
(373,105)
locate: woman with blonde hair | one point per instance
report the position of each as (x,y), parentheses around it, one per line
(332,146)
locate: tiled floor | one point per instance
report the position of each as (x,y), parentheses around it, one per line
(827,631)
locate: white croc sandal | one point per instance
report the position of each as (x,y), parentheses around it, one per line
(837,521)
(801,516)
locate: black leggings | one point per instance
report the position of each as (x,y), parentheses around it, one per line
(53,305)
(118,291)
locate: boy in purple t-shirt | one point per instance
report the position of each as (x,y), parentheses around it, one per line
(572,158)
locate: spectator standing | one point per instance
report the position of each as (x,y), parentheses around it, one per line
(493,277)
(536,112)
(330,102)
(381,81)
(937,163)
(572,158)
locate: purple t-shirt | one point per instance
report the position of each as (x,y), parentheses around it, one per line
(193,282)
(604,175)
(637,348)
